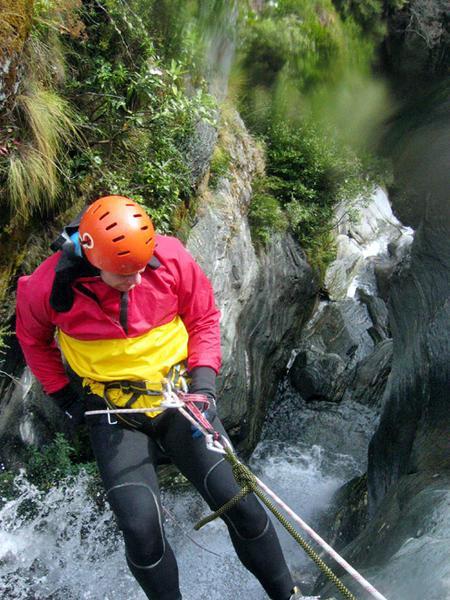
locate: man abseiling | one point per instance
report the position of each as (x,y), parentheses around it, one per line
(128,310)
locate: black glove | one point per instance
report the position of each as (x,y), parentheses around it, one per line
(203,381)
(68,400)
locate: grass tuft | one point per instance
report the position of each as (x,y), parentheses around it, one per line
(34,172)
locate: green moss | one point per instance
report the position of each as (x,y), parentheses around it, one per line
(265,217)
(219,165)
(15,23)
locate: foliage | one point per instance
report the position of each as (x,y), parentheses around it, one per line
(138,117)
(265,215)
(309,93)
(292,50)
(182,29)
(5,332)
(41,126)
(307,175)
(133,112)
(6,484)
(370,14)
(47,126)
(47,466)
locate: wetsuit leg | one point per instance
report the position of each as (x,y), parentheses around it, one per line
(126,461)
(251,531)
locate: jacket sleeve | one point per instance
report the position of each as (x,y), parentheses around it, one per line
(199,312)
(36,334)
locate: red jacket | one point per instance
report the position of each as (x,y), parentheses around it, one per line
(174,286)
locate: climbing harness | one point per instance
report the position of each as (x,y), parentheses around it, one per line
(185,403)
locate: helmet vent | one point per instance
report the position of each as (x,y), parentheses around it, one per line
(138,216)
(117,239)
(148,241)
(123,253)
(111,226)
(98,207)
(144,228)
(104,215)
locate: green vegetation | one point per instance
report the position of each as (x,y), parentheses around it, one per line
(307,174)
(138,117)
(40,125)
(133,120)
(219,165)
(305,86)
(370,14)
(99,109)
(47,467)
(33,178)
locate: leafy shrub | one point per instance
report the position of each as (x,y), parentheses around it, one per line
(265,216)
(370,14)
(48,465)
(309,94)
(139,119)
(307,175)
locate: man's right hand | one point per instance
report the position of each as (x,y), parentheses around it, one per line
(70,403)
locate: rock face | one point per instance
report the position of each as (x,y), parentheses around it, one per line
(14,30)
(345,349)
(265,298)
(406,547)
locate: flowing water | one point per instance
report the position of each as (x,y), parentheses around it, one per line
(63,544)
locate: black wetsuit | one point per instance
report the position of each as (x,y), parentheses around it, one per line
(127,459)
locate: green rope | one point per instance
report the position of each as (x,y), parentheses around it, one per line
(248,482)
(223,509)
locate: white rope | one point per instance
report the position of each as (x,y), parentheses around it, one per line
(116,411)
(337,557)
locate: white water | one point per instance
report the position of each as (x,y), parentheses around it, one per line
(64,544)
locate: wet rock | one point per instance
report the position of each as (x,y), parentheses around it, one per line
(341,328)
(333,343)
(373,234)
(27,418)
(404,551)
(378,313)
(349,515)
(416,419)
(341,429)
(405,548)
(199,150)
(368,380)
(314,374)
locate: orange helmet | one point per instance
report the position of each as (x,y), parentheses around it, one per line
(117,235)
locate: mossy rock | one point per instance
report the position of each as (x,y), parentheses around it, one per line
(15,24)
